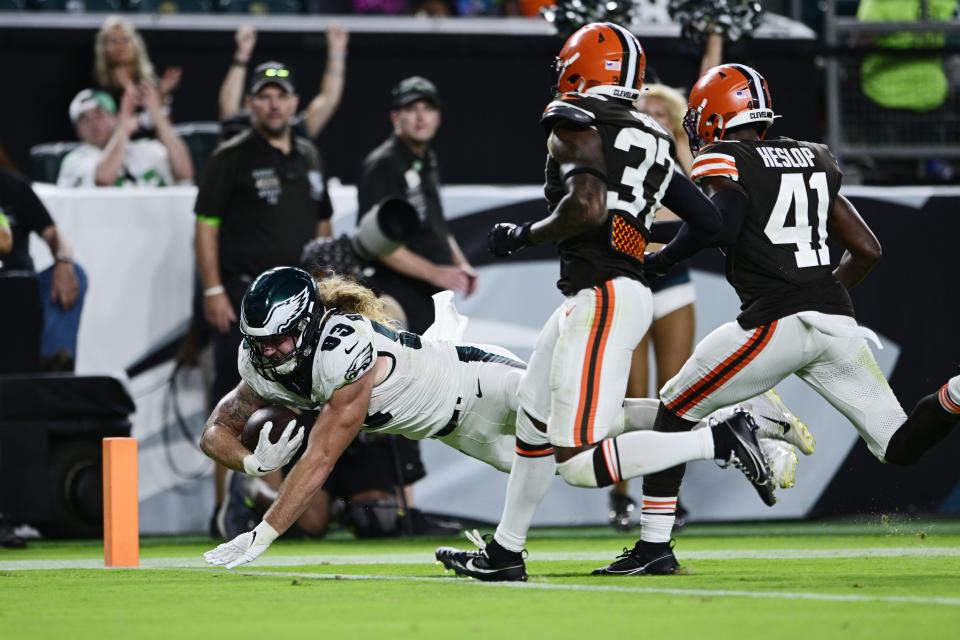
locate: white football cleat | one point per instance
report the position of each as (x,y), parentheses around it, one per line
(782,460)
(776,421)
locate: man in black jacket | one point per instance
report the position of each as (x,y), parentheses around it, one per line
(405,166)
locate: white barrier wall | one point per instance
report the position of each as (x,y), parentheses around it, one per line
(136,246)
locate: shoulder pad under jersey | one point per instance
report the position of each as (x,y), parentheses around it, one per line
(716,160)
(571,108)
(345,352)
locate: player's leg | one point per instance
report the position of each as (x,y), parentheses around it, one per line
(628,455)
(673,332)
(638,386)
(531,470)
(847,376)
(588,377)
(316,517)
(728,366)
(486,428)
(931,420)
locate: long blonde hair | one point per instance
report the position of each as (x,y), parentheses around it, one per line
(350,296)
(143,68)
(673,99)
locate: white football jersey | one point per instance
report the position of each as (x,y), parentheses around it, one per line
(416,399)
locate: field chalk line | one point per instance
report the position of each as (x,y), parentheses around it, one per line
(547,586)
(427,558)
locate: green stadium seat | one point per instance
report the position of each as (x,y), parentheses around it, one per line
(201,139)
(45,159)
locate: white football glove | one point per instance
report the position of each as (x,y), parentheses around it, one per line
(268,456)
(244,548)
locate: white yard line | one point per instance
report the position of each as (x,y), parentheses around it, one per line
(426,558)
(552,586)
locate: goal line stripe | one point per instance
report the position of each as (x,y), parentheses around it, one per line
(698,593)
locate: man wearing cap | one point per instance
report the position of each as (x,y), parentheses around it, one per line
(108,157)
(262,197)
(405,166)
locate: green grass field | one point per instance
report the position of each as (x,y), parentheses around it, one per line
(813,581)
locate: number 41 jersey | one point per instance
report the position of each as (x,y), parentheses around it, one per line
(780,263)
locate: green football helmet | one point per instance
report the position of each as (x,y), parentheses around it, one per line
(281,301)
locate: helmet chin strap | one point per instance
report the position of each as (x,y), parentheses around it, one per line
(722,127)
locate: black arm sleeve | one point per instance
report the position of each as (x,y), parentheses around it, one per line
(733,205)
(701,219)
(664,231)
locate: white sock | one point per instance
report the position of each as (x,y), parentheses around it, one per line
(635,454)
(646,452)
(530,479)
(656,518)
(950,395)
(953,384)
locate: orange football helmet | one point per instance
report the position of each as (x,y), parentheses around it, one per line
(602,58)
(726,96)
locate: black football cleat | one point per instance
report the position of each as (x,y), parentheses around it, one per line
(645,559)
(740,447)
(8,537)
(490,562)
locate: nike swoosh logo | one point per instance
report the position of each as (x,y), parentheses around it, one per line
(758,463)
(262,470)
(472,567)
(479,393)
(350,350)
(254,539)
(782,423)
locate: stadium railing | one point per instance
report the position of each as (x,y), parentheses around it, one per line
(859,128)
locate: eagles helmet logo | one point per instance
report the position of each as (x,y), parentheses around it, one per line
(282,317)
(281,301)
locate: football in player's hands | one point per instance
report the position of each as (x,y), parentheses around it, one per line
(279,416)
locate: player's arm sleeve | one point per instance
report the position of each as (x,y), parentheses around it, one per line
(663,231)
(701,220)
(215,190)
(733,205)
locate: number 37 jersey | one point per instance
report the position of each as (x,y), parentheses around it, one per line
(639,161)
(780,263)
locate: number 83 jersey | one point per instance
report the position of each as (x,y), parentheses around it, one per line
(780,263)
(638,154)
